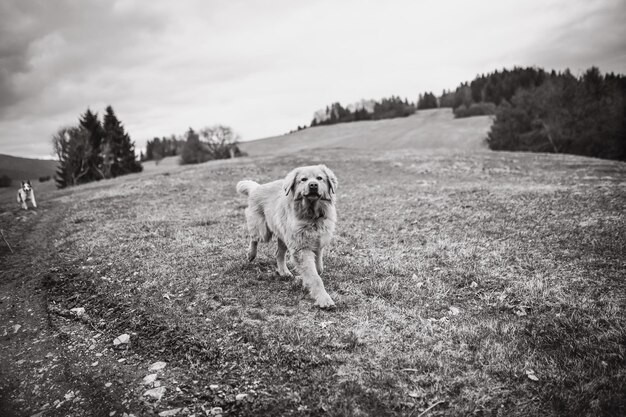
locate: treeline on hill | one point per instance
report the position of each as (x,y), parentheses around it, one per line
(427,101)
(387,108)
(5,181)
(214,142)
(93,150)
(485,92)
(554,112)
(157,149)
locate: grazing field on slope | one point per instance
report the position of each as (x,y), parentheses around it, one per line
(426,129)
(25,168)
(481,283)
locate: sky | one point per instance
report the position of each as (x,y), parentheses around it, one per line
(265,67)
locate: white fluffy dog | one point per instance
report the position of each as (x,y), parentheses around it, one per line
(26,193)
(300,211)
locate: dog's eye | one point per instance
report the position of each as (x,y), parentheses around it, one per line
(319,178)
(304,179)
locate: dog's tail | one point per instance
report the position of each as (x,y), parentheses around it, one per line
(245,187)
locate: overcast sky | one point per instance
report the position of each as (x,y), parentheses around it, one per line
(264,67)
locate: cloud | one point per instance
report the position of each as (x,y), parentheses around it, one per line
(59,47)
(592,33)
(265,67)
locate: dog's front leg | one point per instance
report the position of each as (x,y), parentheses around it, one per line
(305,262)
(319,260)
(32,198)
(252,249)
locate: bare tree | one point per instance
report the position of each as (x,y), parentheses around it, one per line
(221,141)
(74,151)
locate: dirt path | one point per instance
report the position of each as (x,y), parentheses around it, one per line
(50,365)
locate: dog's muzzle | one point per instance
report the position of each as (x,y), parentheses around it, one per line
(313,190)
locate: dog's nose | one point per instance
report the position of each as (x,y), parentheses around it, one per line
(313,186)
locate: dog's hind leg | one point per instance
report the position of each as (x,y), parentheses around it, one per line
(281,250)
(261,232)
(252,221)
(305,261)
(258,230)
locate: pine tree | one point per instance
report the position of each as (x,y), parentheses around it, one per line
(427,101)
(193,152)
(90,122)
(119,150)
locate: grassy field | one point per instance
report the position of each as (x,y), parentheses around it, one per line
(20,169)
(473,283)
(425,130)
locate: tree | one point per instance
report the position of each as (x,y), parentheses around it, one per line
(73,148)
(446,99)
(193,151)
(495,87)
(92,151)
(565,114)
(5,181)
(156,149)
(119,151)
(218,142)
(462,96)
(387,108)
(90,122)
(221,141)
(427,101)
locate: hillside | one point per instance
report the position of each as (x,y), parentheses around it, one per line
(425,130)
(470,282)
(18,168)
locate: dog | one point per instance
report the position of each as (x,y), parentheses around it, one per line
(300,211)
(26,193)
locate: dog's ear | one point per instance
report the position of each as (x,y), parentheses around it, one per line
(28,182)
(331,178)
(290,181)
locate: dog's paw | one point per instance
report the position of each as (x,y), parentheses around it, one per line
(251,255)
(324,301)
(284,273)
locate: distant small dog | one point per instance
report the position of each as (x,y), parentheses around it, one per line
(300,211)
(26,193)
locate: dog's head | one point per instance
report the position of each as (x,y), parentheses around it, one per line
(26,186)
(316,182)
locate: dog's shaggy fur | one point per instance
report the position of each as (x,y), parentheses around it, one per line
(26,193)
(300,211)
